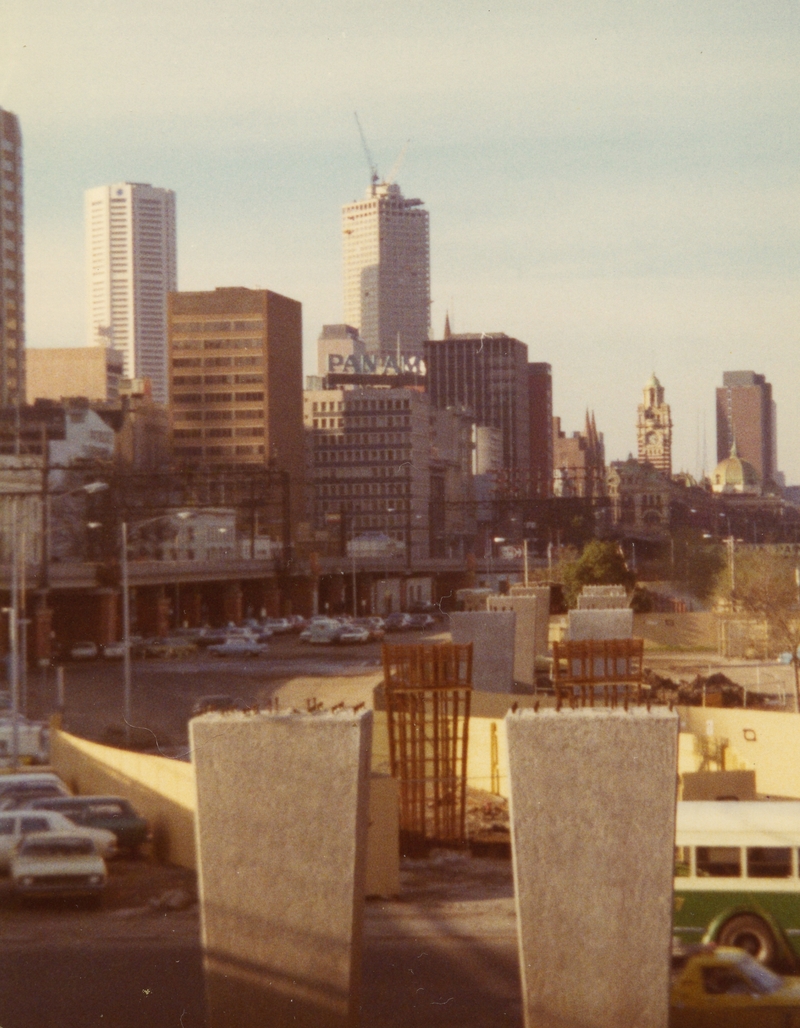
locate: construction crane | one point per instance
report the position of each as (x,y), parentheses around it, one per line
(370,160)
(393,173)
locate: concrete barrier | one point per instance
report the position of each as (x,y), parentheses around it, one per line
(282,814)
(161,789)
(593,829)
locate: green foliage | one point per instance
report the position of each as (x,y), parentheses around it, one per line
(601,563)
(699,565)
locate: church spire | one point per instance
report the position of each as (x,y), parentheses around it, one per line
(447,332)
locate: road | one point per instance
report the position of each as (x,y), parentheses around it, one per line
(444,955)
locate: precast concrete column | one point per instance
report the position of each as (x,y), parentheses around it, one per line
(281,826)
(40,637)
(592,795)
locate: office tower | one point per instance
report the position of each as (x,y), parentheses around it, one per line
(382,460)
(12,267)
(540,410)
(486,375)
(131,263)
(746,416)
(387,269)
(654,428)
(236,392)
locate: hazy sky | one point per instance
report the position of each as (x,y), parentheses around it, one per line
(616,184)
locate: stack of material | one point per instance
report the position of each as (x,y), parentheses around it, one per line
(530,636)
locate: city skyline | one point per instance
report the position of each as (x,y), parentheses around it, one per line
(622,198)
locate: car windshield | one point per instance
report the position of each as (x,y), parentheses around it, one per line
(57,847)
(762,979)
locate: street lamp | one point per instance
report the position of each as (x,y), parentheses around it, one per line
(126,612)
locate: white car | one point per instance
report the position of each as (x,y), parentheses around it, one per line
(83,651)
(15,825)
(238,646)
(57,864)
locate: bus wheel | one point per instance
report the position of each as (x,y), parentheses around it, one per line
(751,934)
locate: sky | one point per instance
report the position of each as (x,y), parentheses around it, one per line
(614,183)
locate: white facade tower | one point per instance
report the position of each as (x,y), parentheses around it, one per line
(387,288)
(12,264)
(131,255)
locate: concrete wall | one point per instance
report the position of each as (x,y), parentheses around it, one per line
(697,631)
(162,790)
(593,828)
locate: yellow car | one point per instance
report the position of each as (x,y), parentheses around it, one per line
(726,988)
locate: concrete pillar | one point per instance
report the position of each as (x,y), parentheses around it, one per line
(282,814)
(232,600)
(592,795)
(39,639)
(107,628)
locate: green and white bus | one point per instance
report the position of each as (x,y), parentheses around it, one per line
(737,877)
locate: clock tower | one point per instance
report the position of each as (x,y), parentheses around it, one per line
(654,428)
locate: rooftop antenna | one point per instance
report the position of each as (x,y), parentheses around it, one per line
(370,159)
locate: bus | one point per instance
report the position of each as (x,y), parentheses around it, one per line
(737,877)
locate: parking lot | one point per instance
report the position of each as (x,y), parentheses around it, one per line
(165,691)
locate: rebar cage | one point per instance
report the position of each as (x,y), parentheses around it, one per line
(428,690)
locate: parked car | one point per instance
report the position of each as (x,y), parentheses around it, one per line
(421,622)
(84,651)
(353,634)
(319,623)
(57,864)
(14,799)
(238,646)
(374,626)
(170,647)
(322,633)
(727,988)
(114,650)
(15,824)
(280,626)
(31,780)
(104,813)
(397,622)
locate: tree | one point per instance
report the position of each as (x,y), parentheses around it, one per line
(601,563)
(764,584)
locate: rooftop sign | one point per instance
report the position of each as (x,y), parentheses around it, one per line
(375,364)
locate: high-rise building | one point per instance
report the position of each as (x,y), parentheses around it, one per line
(131,266)
(540,411)
(654,428)
(746,416)
(12,266)
(236,391)
(387,288)
(485,375)
(579,460)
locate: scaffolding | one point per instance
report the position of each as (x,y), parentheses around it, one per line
(428,691)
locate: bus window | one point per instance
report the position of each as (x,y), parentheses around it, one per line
(683,865)
(719,862)
(769,862)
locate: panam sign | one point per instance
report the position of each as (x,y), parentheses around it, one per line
(375,364)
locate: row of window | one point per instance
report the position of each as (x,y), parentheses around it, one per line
(218,451)
(727,862)
(181,380)
(217,362)
(250,414)
(251,325)
(337,458)
(216,433)
(360,405)
(186,398)
(216,344)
